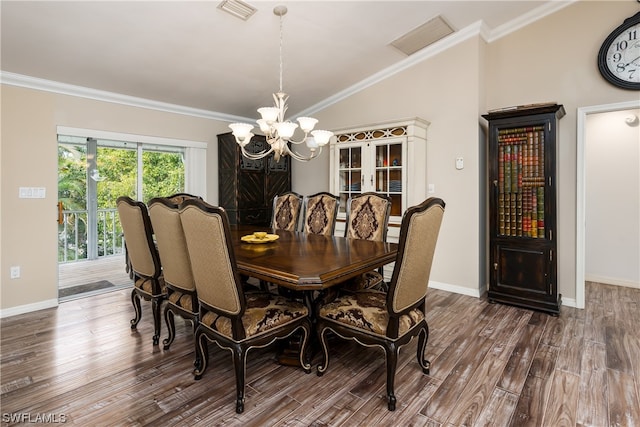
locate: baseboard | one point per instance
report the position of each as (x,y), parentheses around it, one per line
(456,289)
(612,281)
(477,293)
(28,308)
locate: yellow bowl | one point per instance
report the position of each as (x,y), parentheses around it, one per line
(260,234)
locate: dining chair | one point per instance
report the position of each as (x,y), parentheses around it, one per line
(390,320)
(320,213)
(234,320)
(148,282)
(182,298)
(286,211)
(367,218)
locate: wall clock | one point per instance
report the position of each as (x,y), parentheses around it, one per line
(619,56)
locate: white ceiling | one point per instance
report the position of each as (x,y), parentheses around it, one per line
(192,54)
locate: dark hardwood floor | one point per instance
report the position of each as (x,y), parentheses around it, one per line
(491,365)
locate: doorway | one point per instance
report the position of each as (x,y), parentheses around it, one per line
(581,190)
(92,174)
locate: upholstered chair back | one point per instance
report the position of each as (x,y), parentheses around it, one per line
(368,217)
(138,237)
(206,229)
(320,213)
(418,236)
(171,244)
(286,211)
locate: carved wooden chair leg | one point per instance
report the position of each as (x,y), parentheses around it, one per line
(422,345)
(239,361)
(156,307)
(135,300)
(392,360)
(202,355)
(171,327)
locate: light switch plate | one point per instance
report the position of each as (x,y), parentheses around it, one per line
(32,192)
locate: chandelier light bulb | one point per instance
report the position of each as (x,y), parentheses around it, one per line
(322,137)
(264,126)
(269,114)
(307,123)
(241,130)
(285,129)
(311,143)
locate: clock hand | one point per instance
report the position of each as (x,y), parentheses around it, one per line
(632,61)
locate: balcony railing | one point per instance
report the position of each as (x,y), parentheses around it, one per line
(75,238)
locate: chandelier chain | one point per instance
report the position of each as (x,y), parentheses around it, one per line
(281,61)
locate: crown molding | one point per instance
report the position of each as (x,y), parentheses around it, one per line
(528,18)
(29,82)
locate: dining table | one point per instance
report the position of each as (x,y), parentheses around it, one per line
(307,262)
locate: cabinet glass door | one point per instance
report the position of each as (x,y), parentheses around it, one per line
(350,173)
(388,174)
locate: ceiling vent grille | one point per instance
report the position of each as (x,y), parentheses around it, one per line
(422,36)
(238,8)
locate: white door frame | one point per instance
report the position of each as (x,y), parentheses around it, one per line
(582,114)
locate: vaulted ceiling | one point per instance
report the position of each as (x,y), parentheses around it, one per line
(194,54)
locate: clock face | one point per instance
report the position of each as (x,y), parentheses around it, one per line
(619,57)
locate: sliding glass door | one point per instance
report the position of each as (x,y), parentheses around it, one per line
(92,174)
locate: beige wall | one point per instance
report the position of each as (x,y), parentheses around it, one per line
(551,60)
(443,91)
(29,159)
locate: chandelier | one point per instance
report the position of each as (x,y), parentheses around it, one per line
(278,131)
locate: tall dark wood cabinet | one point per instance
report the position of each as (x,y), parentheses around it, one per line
(522,207)
(246,187)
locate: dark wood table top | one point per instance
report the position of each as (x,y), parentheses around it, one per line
(302,261)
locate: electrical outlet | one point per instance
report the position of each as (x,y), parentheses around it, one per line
(15,272)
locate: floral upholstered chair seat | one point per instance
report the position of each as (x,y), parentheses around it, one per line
(182,300)
(371,280)
(146,285)
(263,312)
(367,312)
(178,198)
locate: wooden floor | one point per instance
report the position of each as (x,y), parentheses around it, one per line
(110,268)
(86,272)
(491,365)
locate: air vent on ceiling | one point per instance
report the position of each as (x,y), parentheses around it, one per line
(237,8)
(422,36)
